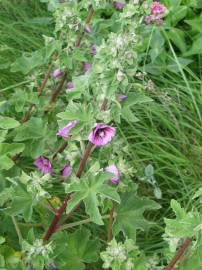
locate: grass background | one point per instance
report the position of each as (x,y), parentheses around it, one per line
(168,135)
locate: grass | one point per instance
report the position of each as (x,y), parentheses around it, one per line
(169,136)
(22,24)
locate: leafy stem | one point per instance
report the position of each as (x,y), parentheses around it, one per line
(179,254)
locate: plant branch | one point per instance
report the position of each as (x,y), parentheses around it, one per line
(84,159)
(111,217)
(104,105)
(17,229)
(179,254)
(58,213)
(60,149)
(56,218)
(44,82)
(56,92)
(77,223)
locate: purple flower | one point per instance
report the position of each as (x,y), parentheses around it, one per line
(43,164)
(87,28)
(157,8)
(86,66)
(113,169)
(119,5)
(57,73)
(121,97)
(93,49)
(70,85)
(158,20)
(149,19)
(153,18)
(64,132)
(101,134)
(66,171)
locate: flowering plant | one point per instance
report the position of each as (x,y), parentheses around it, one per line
(65,160)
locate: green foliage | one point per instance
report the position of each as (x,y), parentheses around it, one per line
(22,203)
(129,215)
(80,250)
(8,123)
(185,224)
(89,190)
(157,67)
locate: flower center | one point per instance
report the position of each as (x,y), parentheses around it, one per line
(101,134)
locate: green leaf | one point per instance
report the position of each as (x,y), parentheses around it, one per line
(80,250)
(173,66)
(178,14)
(193,261)
(196,47)
(9,149)
(79,55)
(26,63)
(89,191)
(129,215)
(77,112)
(6,195)
(136,98)
(195,24)
(8,123)
(22,203)
(33,129)
(185,224)
(178,38)
(6,163)
(128,115)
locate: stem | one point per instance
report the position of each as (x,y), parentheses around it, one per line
(58,213)
(111,217)
(88,19)
(44,82)
(39,90)
(179,254)
(56,218)
(60,149)
(28,113)
(104,105)
(56,92)
(77,223)
(17,229)
(84,159)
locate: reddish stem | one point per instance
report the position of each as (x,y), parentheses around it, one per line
(43,84)
(179,254)
(56,218)
(60,149)
(56,93)
(111,217)
(84,159)
(53,226)
(104,105)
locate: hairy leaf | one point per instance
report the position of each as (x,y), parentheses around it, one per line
(89,191)
(129,214)
(80,250)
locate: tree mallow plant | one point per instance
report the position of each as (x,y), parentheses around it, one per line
(73,139)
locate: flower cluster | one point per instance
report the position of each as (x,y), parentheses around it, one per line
(157,12)
(100,135)
(118,254)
